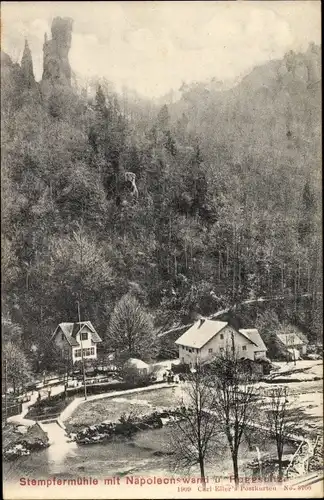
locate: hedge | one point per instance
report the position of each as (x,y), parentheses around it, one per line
(108,387)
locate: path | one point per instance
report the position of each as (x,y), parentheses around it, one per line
(20,419)
(234,307)
(78,401)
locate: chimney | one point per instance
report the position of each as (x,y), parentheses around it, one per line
(201,321)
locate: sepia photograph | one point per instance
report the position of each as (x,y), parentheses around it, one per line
(161,249)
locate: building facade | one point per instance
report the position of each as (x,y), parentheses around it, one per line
(207,339)
(72,337)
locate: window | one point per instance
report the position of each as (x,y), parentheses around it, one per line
(243,347)
(63,336)
(84,335)
(221,336)
(77,353)
(210,351)
(92,351)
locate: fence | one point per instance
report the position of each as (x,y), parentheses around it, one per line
(12,410)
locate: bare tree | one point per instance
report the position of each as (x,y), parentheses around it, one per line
(193,434)
(234,401)
(280,419)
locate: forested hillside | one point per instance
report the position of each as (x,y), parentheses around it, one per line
(228,207)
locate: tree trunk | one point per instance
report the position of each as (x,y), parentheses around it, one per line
(202,471)
(280,468)
(235,468)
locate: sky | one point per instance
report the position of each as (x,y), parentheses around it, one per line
(153,47)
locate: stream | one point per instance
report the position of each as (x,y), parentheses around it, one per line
(145,454)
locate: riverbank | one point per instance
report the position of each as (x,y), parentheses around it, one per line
(20,441)
(135,402)
(125,427)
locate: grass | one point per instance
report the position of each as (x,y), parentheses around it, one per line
(166,397)
(95,412)
(307,399)
(51,408)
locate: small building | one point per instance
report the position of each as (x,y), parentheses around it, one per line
(296,344)
(260,350)
(71,337)
(137,364)
(207,338)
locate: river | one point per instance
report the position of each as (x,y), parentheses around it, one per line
(145,454)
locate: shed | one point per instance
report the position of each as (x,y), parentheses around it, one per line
(138,364)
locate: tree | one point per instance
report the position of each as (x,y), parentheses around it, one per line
(281,422)
(130,331)
(193,434)
(234,401)
(10,331)
(16,365)
(163,118)
(269,326)
(307,213)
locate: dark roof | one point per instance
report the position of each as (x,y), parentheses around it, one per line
(71,330)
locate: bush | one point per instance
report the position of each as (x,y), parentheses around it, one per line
(55,405)
(126,426)
(132,375)
(110,386)
(180,368)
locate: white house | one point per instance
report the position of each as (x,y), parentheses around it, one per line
(296,346)
(69,337)
(207,338)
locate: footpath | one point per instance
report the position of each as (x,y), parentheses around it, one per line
(56,429)
(67,412)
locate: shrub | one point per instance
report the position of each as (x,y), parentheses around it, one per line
(110,386)
(180,368)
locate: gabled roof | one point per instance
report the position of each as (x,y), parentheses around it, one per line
(290,339)
(201,332)
(71,330)
(253,335)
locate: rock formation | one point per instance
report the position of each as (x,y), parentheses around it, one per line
(56,66)
(27,67)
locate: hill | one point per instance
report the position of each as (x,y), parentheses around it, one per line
(228,206)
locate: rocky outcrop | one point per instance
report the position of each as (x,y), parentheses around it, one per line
(32,440)
(126,427)
(27,71)
(56,65)
(11,83)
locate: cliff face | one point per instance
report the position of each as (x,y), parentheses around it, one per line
(56,65)
(10,80)
(27,67)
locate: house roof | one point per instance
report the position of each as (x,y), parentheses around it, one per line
(253,335)
(201,332)
(290,339)
(71,330)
